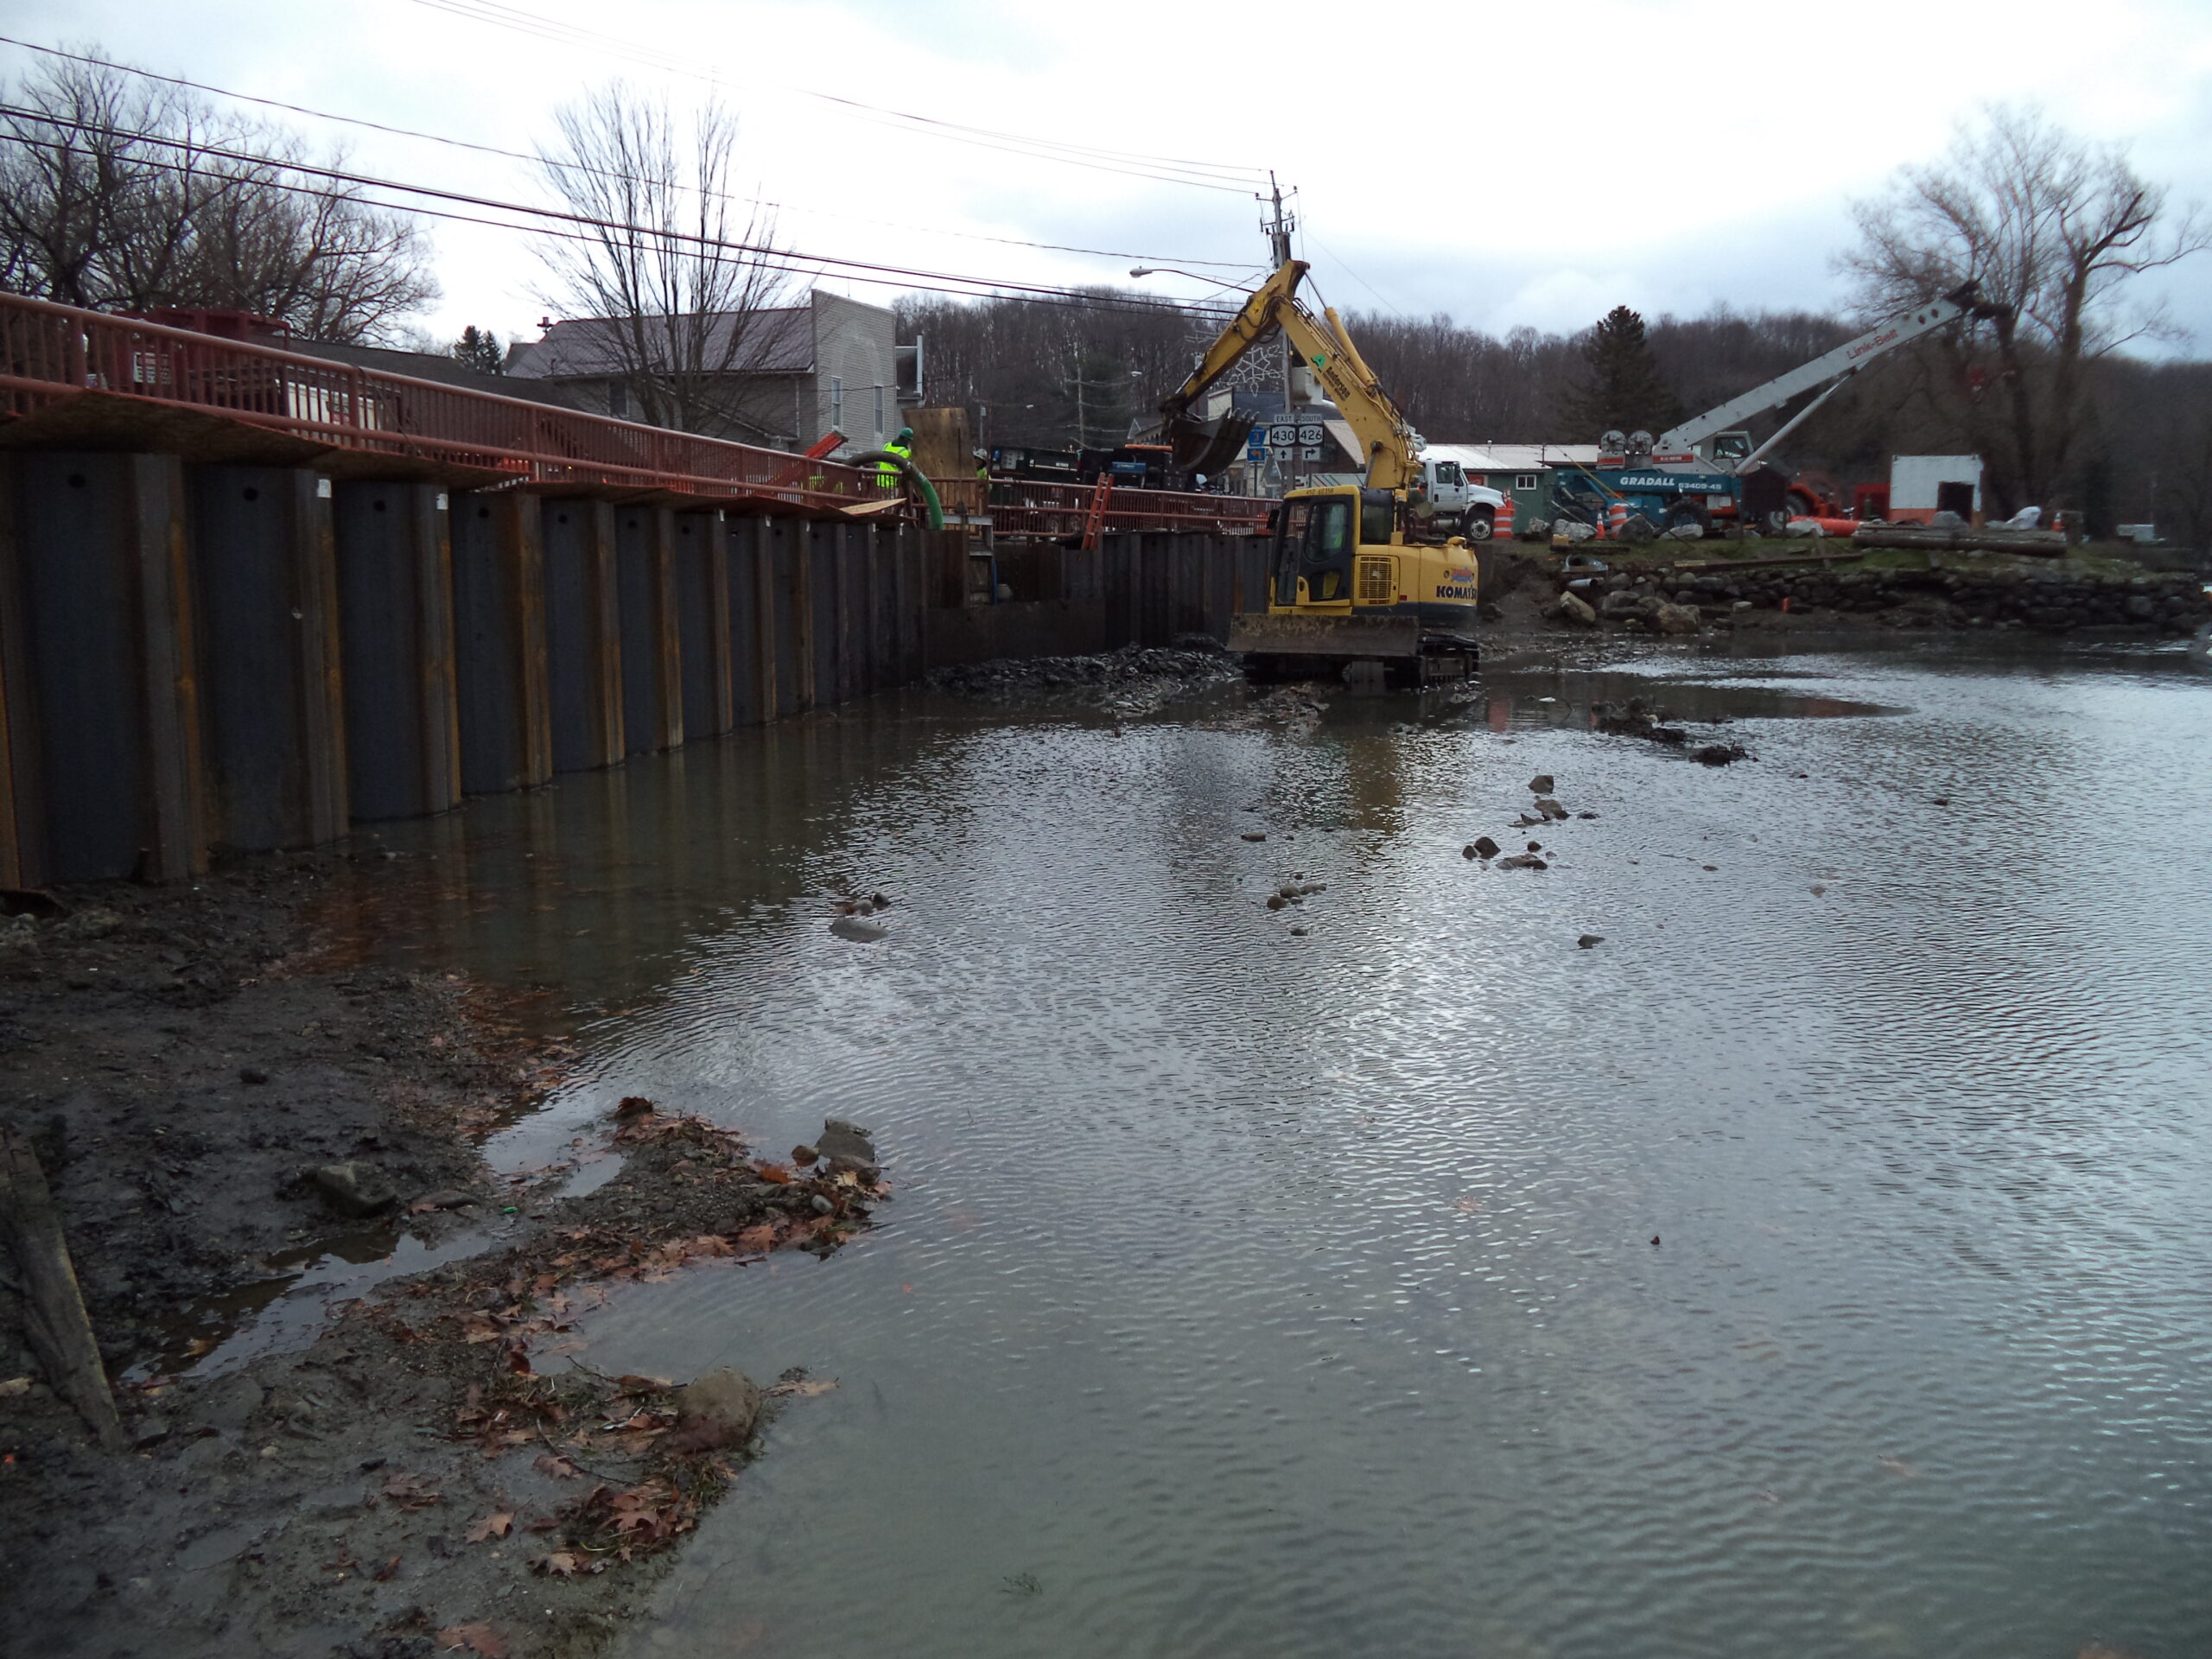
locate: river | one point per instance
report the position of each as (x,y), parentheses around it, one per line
(1818,1265)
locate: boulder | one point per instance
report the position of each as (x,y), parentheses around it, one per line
(846,1145)
(1542,784)
(354,1188)
(1672,619)
(1482,847)
(721,1409)
(1522,862)
(1573,607)
(860,932)
(1551,809)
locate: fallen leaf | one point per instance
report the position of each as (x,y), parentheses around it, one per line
(634,1106)
(412,1491)
(479,1638)
(778,1174)
(559,1564)
(761,1236)
(384,1574)
(493,1526)
(559,1468)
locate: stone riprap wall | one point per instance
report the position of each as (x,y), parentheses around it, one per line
(2053,600)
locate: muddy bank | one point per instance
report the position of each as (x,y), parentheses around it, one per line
(1134,677)
(426,1468)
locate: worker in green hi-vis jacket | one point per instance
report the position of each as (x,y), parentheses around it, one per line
(903,446)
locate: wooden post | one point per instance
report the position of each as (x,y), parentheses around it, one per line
(54,1308)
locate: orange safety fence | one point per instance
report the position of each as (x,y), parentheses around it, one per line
(50,353)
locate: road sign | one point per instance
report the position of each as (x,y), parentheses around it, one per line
(1311,452)
(1280,451)
(1311,434)
(1282,432)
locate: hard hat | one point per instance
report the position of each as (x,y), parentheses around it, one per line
(905,434)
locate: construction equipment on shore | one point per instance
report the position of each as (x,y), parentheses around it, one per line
(1366,580)
(1707,474)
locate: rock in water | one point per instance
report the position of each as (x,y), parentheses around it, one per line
(847,1145)
(1482,847)
(1589,939)
(1542,784)
(860,932)
(1522,862)
(1550,808)
(1673,619)
(354,1189)
(721,1408)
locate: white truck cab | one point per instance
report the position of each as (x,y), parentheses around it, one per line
(1470,508)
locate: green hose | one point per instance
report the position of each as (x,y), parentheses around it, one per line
(914,473)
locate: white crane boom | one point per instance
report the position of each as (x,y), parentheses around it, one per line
(1845,359)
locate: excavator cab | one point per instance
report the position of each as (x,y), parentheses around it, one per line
(1313,551)
(1731,445)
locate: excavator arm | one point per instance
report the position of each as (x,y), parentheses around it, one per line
(1392,447)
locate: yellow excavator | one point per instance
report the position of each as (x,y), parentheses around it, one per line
(1365,583)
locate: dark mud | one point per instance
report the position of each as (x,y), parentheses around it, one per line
(432,1468)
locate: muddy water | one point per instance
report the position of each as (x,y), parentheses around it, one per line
(1817,1266)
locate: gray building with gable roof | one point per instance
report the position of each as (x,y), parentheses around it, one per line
(799,372)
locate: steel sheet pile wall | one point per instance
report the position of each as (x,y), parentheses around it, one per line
(202,657)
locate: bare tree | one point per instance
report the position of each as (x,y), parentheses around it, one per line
(117,194)
(686,278)
(2052,229)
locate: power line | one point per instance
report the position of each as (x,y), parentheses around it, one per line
(536,161)
(768,257)
(1204,175)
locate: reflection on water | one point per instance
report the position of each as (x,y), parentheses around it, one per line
(1815,1266)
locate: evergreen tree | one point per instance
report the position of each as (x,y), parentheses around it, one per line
(1622,389)
(479,349)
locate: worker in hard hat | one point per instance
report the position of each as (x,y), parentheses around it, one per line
(903,446)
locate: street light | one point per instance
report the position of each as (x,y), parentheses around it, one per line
(1170,271)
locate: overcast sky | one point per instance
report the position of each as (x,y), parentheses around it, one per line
(1508,165)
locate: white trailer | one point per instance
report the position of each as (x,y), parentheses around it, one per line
(1916,484)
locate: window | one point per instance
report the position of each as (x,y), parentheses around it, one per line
(879,411)
(1525,481)
(836,402)
(618,399)
(1447,472)
(1378,514)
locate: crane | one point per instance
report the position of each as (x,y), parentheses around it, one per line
(1692,473)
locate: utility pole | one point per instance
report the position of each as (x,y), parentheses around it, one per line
(1278,228)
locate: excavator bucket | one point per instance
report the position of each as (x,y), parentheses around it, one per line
(1339,639)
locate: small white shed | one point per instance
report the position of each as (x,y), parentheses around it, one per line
(1921,485)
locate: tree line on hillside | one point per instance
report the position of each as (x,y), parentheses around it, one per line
(123,192)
